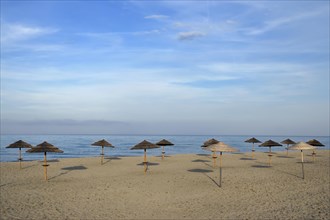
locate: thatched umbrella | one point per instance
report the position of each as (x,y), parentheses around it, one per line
(20,144)
(45,147)
(270,144)
(288,142)
(209,142)
(145,145)
(253,140)
(164,143)
(314,143)
(220,147)
(103,143)
(302,146)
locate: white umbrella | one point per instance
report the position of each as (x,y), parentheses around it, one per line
(302,146)
(220,147)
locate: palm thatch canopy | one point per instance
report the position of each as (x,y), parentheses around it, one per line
(164,143)
(253,140)
(20,144)
(301,146)
(288,141)
(144,145)
(102,143)
(220,147)
(270,143)
(209,142)
(44,147)
(315,143)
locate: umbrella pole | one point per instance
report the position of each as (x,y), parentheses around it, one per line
(302,164)
(102,154)
(20,158)
(287,150)
(214,159)
(145,161)
(220,169)
(252,150)
(313,155)
(270,156)
(163,153)
(45,166)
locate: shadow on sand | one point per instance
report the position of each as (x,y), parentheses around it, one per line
(148,163)
(246,158)
(69,169)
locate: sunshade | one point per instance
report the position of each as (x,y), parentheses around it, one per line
(220,147)
(209,142)
(102,143)
(252,140)
(145,145)
(45,147)
(288,142)
(20,144)
(270,144)
(315,143)
(164,143)
(302,146)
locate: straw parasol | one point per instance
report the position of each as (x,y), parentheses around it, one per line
(20,144)
(314,143)
(209,142)
(288,142)
(302,146)
(145,145)
(45,147)
(164,143)
(103,143)
(270,144)
(253,140)
(220,147)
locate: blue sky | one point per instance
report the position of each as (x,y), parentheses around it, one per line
(165,67)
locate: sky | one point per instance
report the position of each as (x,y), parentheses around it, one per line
(165,67)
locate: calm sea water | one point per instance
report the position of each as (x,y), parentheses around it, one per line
(80,145)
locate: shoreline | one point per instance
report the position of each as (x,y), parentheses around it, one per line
(182,186)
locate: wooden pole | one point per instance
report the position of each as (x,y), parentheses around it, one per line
(313,155)
(102,155)
(163,153)
(20,158)
(270,156)
(287,150)
(45,166)
(302,164)
(145,161)
(252,150)
(214,159)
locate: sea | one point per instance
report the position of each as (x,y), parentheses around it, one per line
(78,146)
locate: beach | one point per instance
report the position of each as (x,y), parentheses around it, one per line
(183,186)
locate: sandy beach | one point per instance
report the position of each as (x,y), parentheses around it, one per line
(179,187)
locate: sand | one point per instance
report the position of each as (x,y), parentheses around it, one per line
(179,187)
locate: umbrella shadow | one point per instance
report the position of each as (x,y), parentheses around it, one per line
(200,160)
(49,161)
(291,174)
(148,164)
(27,167)
(246,158)
(69,169)
(162,156)
(109,159)
(261,166)
(204,172)
(285,157)
(204,155)
(198,170)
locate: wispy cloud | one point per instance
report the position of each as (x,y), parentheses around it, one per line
(156,17)
(182,36)
(19,32)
